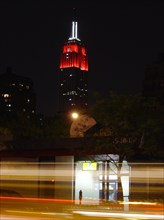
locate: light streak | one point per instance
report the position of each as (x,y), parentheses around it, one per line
(120,215)
(37,199)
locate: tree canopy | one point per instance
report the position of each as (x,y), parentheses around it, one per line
(131,119)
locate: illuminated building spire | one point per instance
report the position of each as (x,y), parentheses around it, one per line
(74,33)
(73,94)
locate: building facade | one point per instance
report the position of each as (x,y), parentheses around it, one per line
(16,94)
(59,169)
(73,78)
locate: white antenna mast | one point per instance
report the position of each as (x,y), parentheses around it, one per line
(74,33)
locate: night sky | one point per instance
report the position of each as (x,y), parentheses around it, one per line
(122,37)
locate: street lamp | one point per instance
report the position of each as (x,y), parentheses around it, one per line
(74,115)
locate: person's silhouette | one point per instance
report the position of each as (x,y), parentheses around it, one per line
(80,196)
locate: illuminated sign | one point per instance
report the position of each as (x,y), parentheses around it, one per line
(88,166)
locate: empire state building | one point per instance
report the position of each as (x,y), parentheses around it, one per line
(73,78)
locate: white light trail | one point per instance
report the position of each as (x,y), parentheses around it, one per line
(120,215)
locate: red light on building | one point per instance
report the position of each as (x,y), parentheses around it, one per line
(74,55)
(73,76)
(70,48)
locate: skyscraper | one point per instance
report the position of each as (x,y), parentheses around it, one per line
(16,94)
(73,78)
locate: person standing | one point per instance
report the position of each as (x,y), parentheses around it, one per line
(80,196)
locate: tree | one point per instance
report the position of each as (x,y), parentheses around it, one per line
(56,127)
(21,124)
(134,123)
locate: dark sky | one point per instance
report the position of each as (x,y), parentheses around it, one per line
(121,37)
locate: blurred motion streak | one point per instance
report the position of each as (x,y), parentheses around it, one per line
(49,190)
(120,215)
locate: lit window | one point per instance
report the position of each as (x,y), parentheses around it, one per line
(113,177)
(100,177)
(5,95)
(68,49)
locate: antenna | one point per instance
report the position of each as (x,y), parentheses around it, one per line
(74,14)
(74,33)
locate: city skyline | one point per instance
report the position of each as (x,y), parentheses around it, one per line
(121,39)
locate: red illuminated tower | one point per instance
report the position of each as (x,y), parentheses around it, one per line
(73,93)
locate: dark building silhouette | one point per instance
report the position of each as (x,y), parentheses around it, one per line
(73,91)
(16,94)
(153,85)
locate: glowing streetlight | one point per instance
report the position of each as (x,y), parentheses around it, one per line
(74,115)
